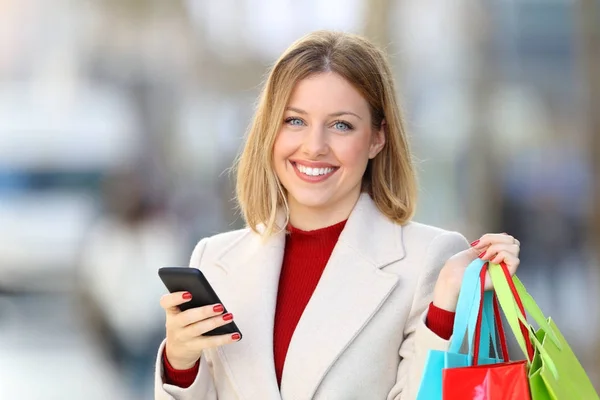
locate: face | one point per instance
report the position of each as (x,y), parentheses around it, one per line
(324,144)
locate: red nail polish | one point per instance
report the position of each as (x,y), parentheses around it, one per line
(236,336)
(473,244)
(228,317)
(186,296)
(218,308)
(481,255)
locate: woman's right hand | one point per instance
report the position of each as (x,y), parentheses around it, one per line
(185,329)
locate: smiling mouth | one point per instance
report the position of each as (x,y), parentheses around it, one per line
(314,172)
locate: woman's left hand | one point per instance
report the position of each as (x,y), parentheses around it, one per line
(490,247)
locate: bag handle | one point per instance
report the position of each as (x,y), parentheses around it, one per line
(467,310)
(498,321)
(471,298)
(501,332)
(524,326)
(512,305)
(532,308)
(527,303)
(488,325)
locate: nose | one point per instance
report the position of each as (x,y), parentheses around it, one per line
(315,142)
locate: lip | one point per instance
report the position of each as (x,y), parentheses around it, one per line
(313,179)
(313,164)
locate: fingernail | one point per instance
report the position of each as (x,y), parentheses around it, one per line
(218,308)
(228,317)
(236,336)
(473,244)
(481,255)
(186,296)
(504,233)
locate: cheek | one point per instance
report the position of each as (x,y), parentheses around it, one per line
(278,153)
(283,146)
(278,158)
(354,154)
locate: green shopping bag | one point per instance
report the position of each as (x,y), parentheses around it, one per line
(554,371)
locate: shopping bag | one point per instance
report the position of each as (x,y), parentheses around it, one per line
(555,372)
(468,309)
(504,381)
(501,381)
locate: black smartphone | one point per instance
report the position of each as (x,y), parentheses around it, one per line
(184,279)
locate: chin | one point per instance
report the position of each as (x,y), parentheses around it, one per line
(311,199)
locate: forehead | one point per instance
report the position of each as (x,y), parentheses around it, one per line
(327,92)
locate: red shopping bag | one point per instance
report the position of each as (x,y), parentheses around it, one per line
(503,381)
(506,381)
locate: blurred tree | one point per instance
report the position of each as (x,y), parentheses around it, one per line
(377,21)
(482,203)
(590,50)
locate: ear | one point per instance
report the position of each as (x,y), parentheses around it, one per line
(378,140)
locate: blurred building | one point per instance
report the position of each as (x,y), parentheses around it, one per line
(495,94)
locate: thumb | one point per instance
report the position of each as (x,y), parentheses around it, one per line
(472,253)
(463,258)
(469,255)
(478,248)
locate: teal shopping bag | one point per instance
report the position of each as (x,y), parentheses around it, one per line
(467,310)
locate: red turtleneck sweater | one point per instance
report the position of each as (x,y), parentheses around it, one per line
(306,254)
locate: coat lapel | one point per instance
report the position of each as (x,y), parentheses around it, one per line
(251,283)
(350,291)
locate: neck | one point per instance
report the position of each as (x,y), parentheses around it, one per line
(311,218)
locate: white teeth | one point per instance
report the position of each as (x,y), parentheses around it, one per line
(314,171)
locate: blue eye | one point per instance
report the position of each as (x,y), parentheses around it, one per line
(342,126)
(294,121)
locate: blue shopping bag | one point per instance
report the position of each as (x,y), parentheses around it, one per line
(467,310)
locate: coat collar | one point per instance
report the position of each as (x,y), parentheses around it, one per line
(368,232)
(334,315)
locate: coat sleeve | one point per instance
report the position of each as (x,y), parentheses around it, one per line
(419,339)
(203,387)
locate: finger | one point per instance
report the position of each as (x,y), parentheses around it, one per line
(205,342)
(170,302)
(494,249)
(200,328)
(194,315)
(515,240)
(493,238)
(511,261)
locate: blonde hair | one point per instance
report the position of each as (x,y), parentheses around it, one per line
(389,179)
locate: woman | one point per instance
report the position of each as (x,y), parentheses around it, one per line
(338,294)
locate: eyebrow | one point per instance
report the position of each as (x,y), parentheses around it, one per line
(335,114)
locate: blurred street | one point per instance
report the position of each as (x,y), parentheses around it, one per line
(119,120)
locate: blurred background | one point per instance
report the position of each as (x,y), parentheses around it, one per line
(120,118)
